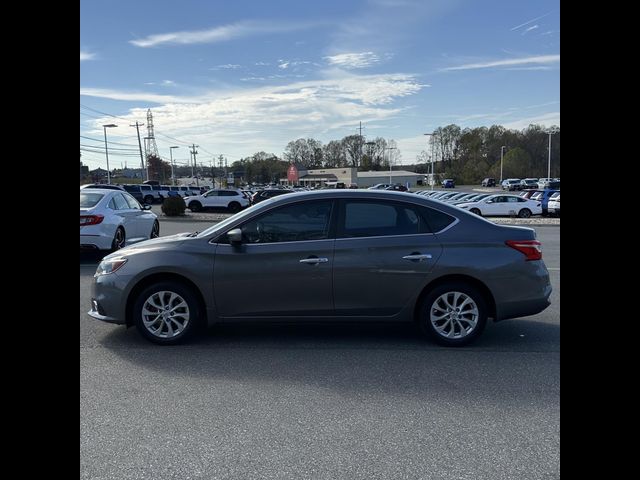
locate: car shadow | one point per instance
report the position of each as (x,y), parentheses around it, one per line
(360,357)
(92,257)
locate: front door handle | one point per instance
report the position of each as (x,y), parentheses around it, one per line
(417,257)
(314,260)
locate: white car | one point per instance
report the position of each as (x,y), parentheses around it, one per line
(554,204)
(495,205)
(110,220)
(231,199)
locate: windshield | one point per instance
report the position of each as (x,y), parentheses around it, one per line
(90,200)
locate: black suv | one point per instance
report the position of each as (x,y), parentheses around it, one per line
(489,182)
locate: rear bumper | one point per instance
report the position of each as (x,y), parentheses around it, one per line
(95,242)
(522,309)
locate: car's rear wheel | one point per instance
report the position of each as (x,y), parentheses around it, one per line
(234,207)
(524,213)
(155,230)
(167,313)
(119,239)
(195,206)
(453,314)
(476,211)
(148,199)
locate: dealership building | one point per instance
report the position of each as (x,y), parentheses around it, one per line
(322,177)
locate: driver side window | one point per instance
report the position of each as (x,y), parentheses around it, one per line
(291,223)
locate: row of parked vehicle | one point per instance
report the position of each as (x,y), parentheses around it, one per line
(512,184)
(529,202)
(146,193)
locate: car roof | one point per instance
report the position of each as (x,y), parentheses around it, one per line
(103,190)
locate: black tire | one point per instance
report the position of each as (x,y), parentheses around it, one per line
(192,313)
(119,239)
(155,230)
(195,206)
(234,207)
(476,211)
(148,199)
(524,213)
(473,316)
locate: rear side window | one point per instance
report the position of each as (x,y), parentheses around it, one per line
(435,220)
(119,202)
(228,193)
(378,218)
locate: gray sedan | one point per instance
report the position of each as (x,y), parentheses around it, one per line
(333,255)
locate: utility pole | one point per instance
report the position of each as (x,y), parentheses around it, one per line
(220,160)
(138,125)
(390,164)
(194,152)
(360,160)
(550,132)
(432,180)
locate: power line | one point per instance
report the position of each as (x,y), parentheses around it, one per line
(104,113)
(110,148)
(110,142)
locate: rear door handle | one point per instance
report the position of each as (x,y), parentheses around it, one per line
(417,257)
(314,260)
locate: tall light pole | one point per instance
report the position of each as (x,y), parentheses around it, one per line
(106,149)
(501,156)
(431,178)
(173,178)
(550,132)
(390,164)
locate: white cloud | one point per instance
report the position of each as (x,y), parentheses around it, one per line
(85,55)
(129,96)
(546,119)
(226,66)
(539,59)
(216,34)
(530,21)
(353,60)
(306,108)
(164,83)
(533,27)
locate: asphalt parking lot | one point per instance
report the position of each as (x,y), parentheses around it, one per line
(297,402)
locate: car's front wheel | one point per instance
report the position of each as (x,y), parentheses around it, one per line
(167,313)
(155,230)
(453,314)
(195,206)
(476,211)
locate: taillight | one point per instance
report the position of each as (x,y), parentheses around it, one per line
(532,249)
(90,220)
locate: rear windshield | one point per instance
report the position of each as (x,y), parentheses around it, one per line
(89,200)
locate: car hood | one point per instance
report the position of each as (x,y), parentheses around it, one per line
(152,244)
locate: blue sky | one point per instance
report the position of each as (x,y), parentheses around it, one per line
(237,77)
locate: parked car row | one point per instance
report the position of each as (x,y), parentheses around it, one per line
(512,184)
(146,193)
(488,204)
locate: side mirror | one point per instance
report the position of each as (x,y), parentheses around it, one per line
(489,201)
(235,236)
(146,206)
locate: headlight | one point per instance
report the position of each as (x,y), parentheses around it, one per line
(109,266)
